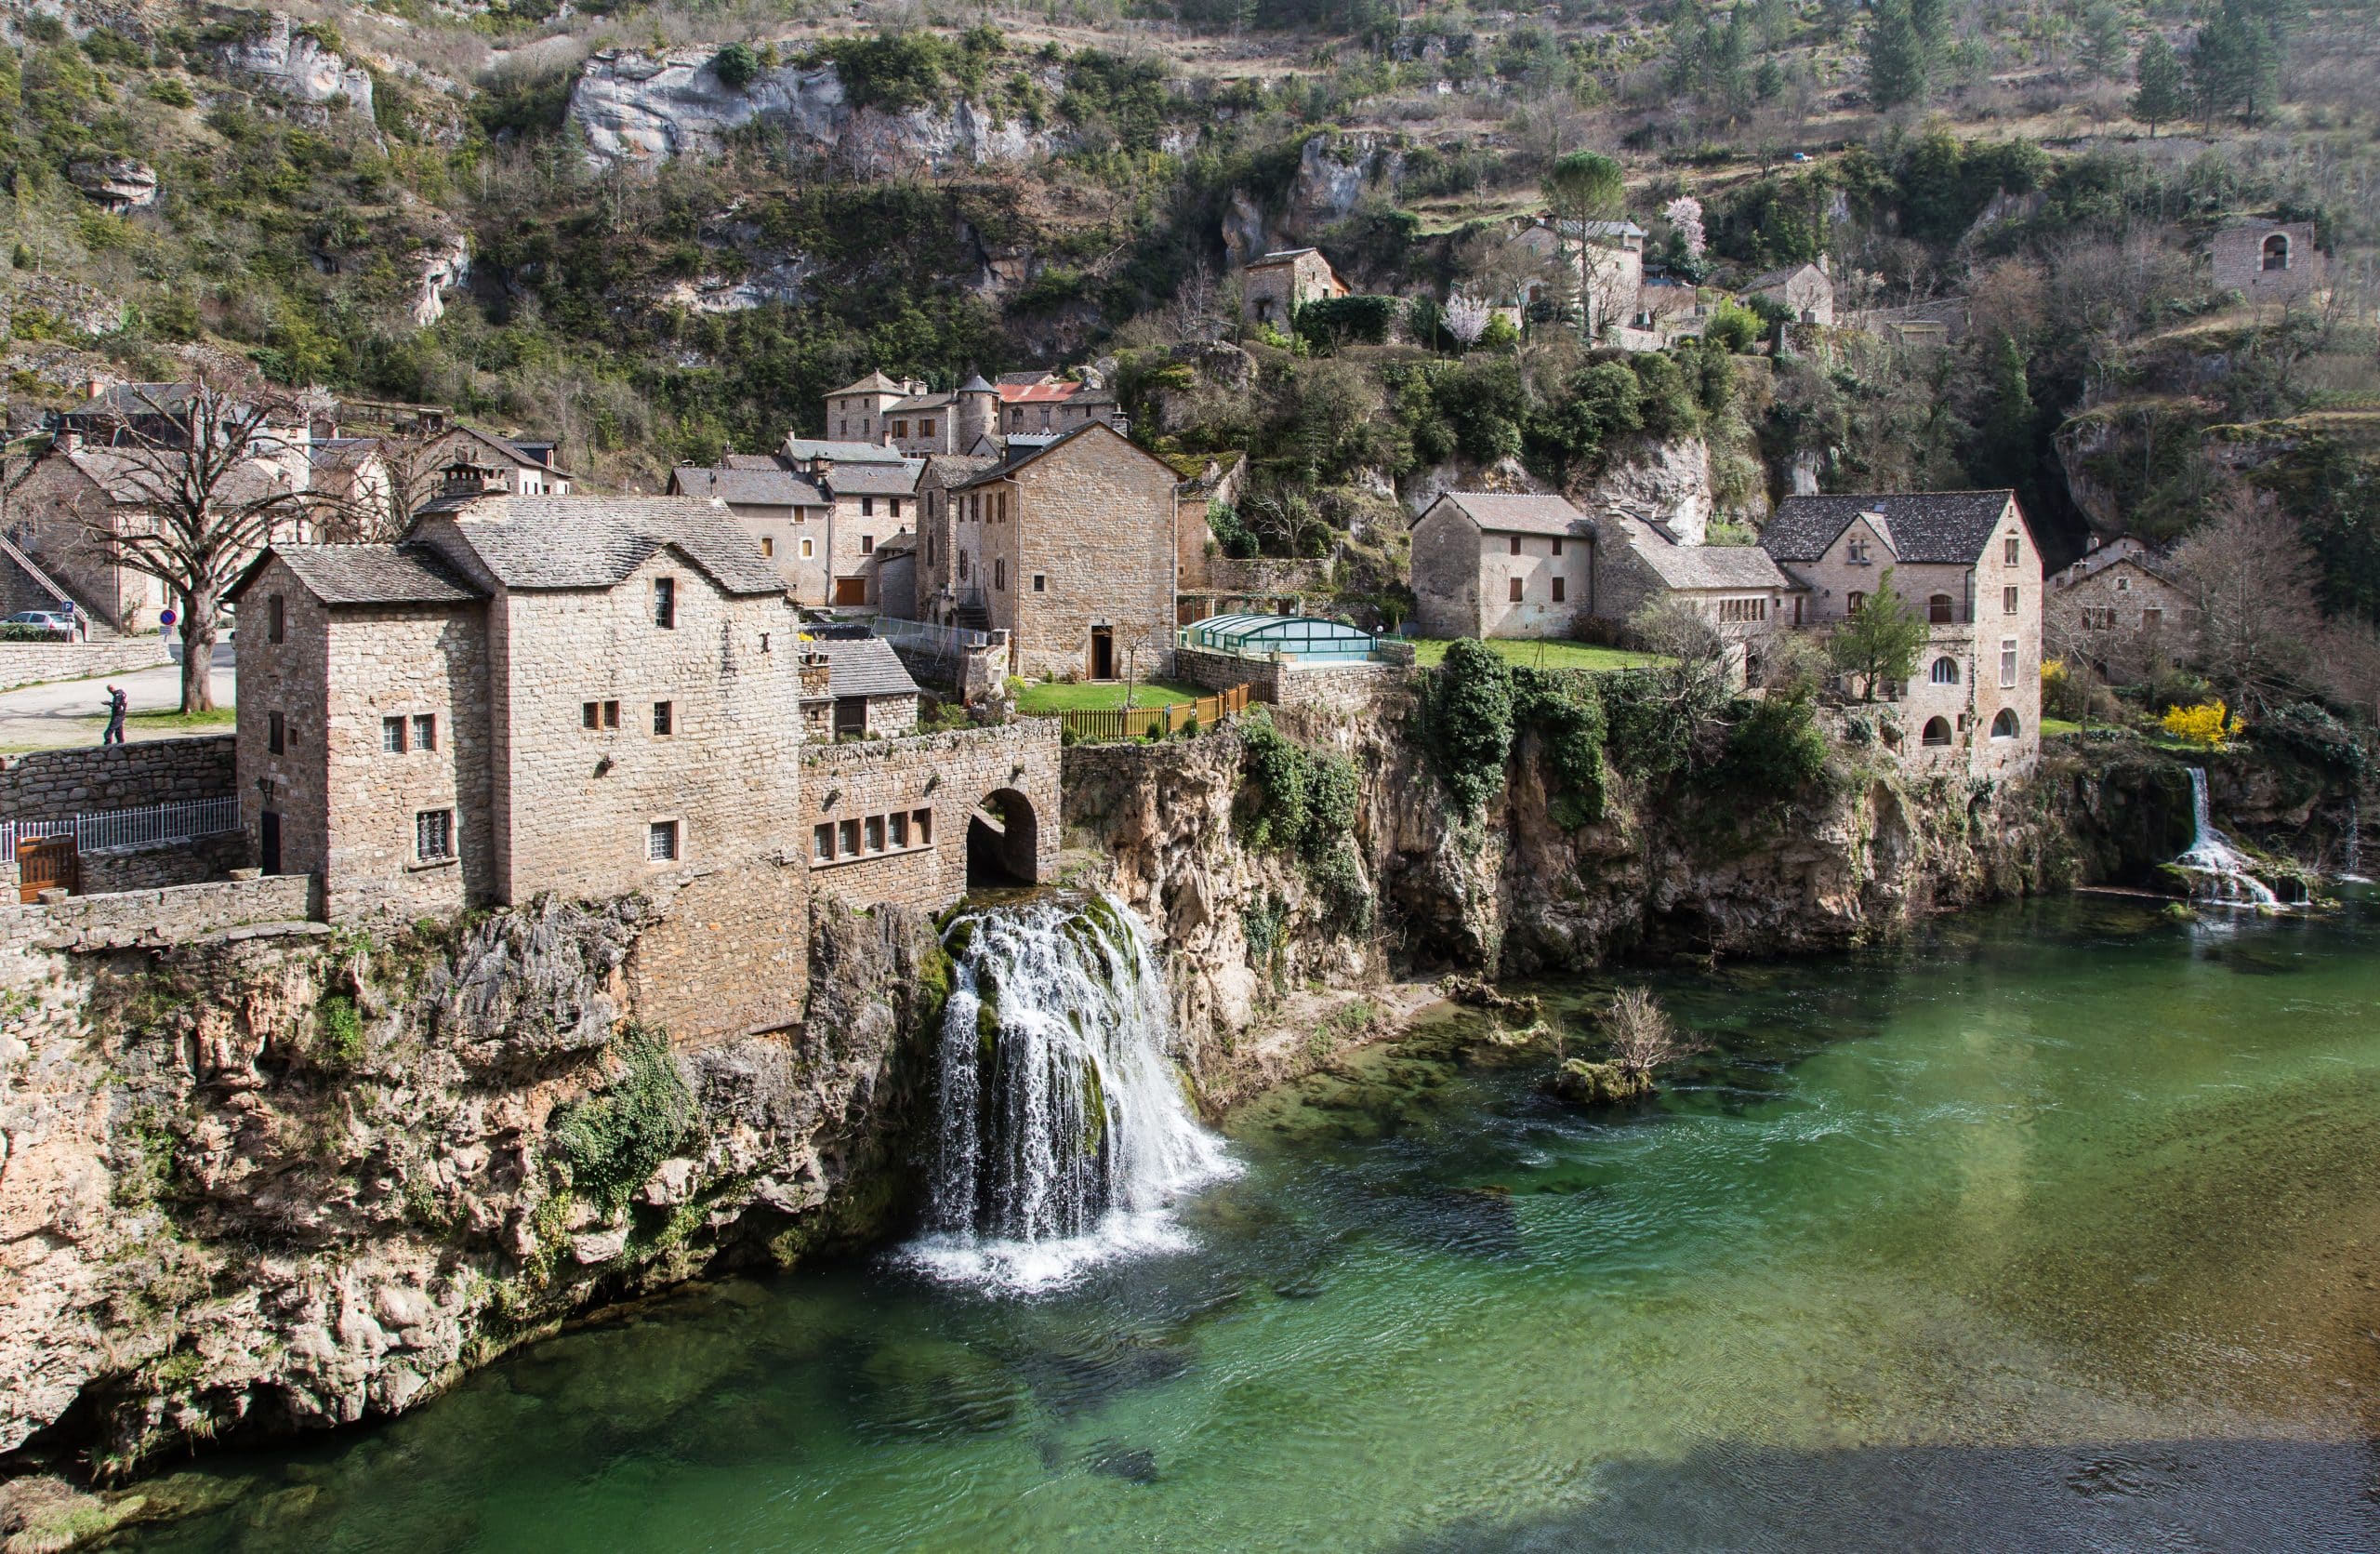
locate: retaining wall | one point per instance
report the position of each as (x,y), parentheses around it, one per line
(54,784)
(152,919)
(1285,685)
(29,663)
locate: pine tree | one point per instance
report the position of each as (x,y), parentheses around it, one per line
(2159,72)
(2008,428)
(2102,51)
(1897,62)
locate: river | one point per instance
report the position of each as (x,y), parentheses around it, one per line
(2055,1229)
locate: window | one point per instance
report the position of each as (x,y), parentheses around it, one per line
(2277,251)
(2007,663)
(274,739)
(665,601)
(768,546)
(809,548)
(2010,549)
(1938,731)
(662,719)
(900,429)
(1856,552)
(2098,618)
(1557,586)
(1557,544)
(1040,582)
(867,544)
(1740,612)
(922,821)
(873,829)
(2008,600)
(1945,672)
(2151,617)
(893,506)
(822,843)
(1853,601)
(1516,544)
(433,835)
(2004,725)
(898,826)
(661,842)
(847,838)
(276,622)
(1941,609)
(425,731)
(925,429)
(392,735)
(867,507)
(1000,574)
(842,429)
(1515,586)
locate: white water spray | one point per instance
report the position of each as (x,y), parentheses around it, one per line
(2352,871)
(1063,1137)
(2221,871)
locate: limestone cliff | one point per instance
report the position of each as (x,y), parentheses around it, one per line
(287,1181)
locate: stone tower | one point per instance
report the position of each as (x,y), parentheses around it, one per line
(978,413)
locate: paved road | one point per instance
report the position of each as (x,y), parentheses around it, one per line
(44,717)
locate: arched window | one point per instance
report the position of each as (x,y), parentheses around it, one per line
(1851,602)
(1938,731)
(2277,251)
(1946,672)
(2004,725)
(1940,610)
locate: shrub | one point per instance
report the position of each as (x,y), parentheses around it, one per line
(1340,320)
(2210,725)
(342,1030)
(611,1142)
(1564,712)
(1471,723)
(736,66)
(1233,536)
(1736,327)
(1775,748)
(2310,731)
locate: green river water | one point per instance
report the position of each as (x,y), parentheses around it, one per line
(2057,1228)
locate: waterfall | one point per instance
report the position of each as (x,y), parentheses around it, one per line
(2352,871)
(2221,869)
(1062,1135)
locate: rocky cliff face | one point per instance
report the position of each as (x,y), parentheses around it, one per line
(644,107)
(289,1182)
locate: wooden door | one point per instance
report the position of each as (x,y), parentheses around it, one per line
(46,863)
(268,836)
(851,590)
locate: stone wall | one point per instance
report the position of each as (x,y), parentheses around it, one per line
(858,789)
(197,861)
(725,954)
(1292,684)
(146,918)
(52,785)
(1092,523)
(1267,574)
(30,663)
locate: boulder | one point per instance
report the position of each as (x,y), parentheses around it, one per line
(113,182)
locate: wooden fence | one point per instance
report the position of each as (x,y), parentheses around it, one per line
(1136,722)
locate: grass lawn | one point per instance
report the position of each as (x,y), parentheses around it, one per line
(1548,653)
(2052,727)
(167,720)
(1104,696)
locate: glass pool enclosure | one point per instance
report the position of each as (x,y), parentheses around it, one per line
(1292,638)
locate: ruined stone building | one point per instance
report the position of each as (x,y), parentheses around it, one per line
(1072,547)
(1273,288)
(2268,262)
(1968,562)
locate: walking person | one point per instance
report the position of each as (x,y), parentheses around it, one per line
(118,704)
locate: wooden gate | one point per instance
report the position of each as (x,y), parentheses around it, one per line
(47,863)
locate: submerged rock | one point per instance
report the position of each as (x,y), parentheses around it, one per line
(1581,1083)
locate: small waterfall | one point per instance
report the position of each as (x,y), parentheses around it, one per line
(1062,1139)
(2351,870)
(2222,870)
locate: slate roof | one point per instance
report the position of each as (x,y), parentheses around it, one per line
(1501,513)
(864,666)
(765,488)
(520,456)
(874,383)
(957,468)
(1745,567)
(1016,458)
(1279,256)
(532,543)
(920,401)
(901,544)
(751,461)
(802,449)
(341,452)
(1772,279)
(371,575)
(875,479)
(1949,527)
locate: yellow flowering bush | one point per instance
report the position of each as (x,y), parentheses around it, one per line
(2209,725)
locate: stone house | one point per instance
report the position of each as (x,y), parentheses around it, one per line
(866,503)
(818,520)
(522,469)
(1486,565)
(1273,288)
(1740,587)
(1608,257)
(2268,262)
(855,686)
(1805,291)
(1968,562)
(907,416)
(856,411)
(914,821)
(2116,607)
(893,581)
(1071,548)
(1049,406)
(588,696)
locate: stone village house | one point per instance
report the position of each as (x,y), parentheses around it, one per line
(1273,288)
(2115,607)
(2268,262)
(599,698)
(1968,562)
(907,416)
(1072,547)
(819,518)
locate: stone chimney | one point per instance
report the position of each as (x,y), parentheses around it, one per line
(816,675)
(465,477)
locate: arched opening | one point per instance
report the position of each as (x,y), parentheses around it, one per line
(2277,251)
(1002,841)
(1946,672)
(1853,601)
(2004,725)
(1938,731)
(1941,609)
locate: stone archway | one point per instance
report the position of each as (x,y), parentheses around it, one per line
(1003,841)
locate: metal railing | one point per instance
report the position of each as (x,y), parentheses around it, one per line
(153,825)
(922,636)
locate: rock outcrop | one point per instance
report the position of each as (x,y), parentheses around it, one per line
(1661,483)
(645,107)
(288,1183)
(116,184)
(282,57)
(445,264)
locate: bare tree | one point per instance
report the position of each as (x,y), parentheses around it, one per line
(1642,1036)
(201,479)
(2251,578)
(1694,654)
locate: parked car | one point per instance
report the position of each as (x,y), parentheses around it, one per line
(49,621)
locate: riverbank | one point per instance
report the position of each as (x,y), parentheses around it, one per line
(2036,1229)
